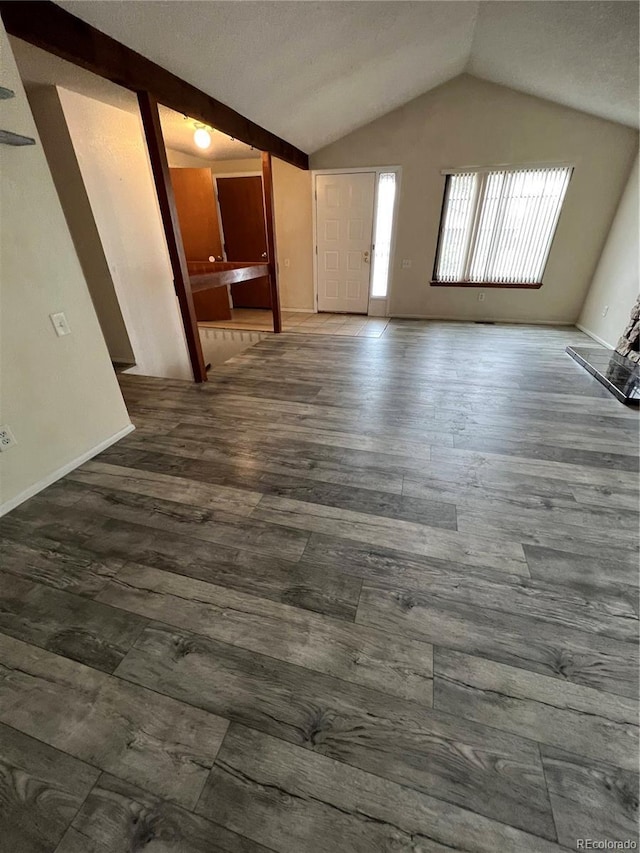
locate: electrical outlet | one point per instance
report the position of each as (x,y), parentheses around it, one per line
(605,310)
(406,264)
(60,324)
(7,438)
(481,297)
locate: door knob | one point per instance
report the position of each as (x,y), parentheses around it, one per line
(264,254)
(366,257)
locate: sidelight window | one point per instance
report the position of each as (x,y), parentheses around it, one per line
(383,230)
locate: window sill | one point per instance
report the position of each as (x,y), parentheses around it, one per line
(485,284)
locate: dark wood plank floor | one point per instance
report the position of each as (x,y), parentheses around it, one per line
(354,594)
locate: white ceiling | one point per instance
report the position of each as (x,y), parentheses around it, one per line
(580,54)
(39,68)
(313,71)
(308,71)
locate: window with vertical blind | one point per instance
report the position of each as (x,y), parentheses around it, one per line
(497,226)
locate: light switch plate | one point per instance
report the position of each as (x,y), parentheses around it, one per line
(60,324)
(406,264)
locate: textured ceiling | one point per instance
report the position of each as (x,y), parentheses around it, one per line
(308,71)
(39,68)
(313,71)
(580,54)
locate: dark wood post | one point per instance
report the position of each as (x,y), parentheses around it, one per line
(166,200)
(267,188)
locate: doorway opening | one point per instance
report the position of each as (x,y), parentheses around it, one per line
(221,189)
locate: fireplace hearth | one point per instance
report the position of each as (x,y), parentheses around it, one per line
(617,370)
(628,343)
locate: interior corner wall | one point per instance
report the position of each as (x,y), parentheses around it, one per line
(59,395)
(109,146)
(58,148)
(470,122)
(294,235)
(615,285)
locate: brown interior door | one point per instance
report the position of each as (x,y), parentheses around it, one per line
(242,211)
(197,212)
(245,238)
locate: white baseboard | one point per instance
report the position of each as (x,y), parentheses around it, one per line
(298,310)
(518,321)
(594,336)
(12,503)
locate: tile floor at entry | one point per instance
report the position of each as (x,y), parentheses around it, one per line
(350,325)
(353,594)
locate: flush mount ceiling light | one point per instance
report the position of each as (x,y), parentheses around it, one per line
(202,137)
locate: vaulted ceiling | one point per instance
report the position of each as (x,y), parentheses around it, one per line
(314,71)
(39,68)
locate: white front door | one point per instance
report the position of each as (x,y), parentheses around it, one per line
(344,224)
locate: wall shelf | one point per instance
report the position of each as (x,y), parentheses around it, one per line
(7,137)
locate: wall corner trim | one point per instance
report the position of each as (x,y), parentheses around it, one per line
(594,336)
(32,490)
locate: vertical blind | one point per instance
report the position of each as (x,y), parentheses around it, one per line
(497,226)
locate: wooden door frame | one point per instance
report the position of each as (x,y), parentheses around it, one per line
(394,230)
(269,220)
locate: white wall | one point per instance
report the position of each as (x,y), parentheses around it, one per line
(615,284)
(294,235)
(226,167)
(111,153)
(293,221)
(59,395)
(470,122)
(58,148)
(178,159)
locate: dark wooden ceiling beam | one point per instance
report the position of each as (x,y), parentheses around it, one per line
(48,26)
